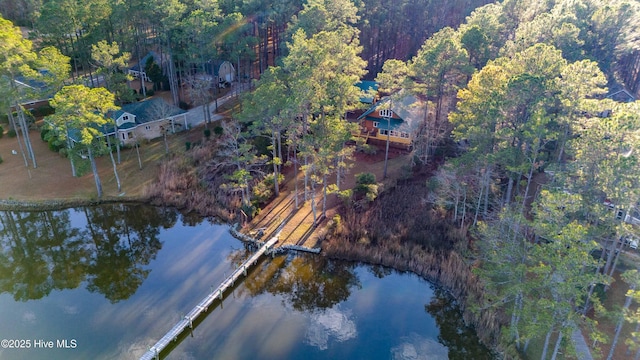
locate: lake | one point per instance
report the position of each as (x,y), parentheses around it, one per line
(107,282)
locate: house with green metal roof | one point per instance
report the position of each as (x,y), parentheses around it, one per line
(148,119)
(393,118)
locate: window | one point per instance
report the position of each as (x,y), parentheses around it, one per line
(125,118)
(394,133)
(387,113)
(148,127)
(376,124)
(130,134)
(123,137)
(383,132)
(404,135)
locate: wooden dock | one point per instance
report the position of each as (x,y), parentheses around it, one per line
(187,321)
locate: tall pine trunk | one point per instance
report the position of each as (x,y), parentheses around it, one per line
(593,286)
(612,248)
(113,162)
(386,150)
(69,147)
(324,195)
(94,168)
(617,256)
(276,186)
(279,138)
(545,348)
(143,87)
(313,201)
(614,343)
(515,317)
(487,183)
(526,189)
(509,191)
(138,153)
(173,81)
(464,209)
(475,216)
(557,347)
(25,132)
(306,178)
(15,128)
(295,174)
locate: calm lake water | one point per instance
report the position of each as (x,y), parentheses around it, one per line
(107,283)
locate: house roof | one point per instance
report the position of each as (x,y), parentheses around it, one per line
(145,111)
(143,61)
(212,67)
(621,95)
(367,87)
(126,126)
(149,110)
(35,88)
(403,106)
(107,129)
(31,83)
(394,123)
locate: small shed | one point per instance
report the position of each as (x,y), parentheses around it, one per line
(223,70)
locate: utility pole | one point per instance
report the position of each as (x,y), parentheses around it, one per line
(386,113)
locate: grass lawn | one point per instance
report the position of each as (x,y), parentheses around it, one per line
(52,179)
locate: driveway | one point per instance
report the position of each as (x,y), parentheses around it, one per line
(195,116)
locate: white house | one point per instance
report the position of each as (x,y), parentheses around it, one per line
(147,119)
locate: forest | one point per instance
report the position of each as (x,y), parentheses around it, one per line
(524,118)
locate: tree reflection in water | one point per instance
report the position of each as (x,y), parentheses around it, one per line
(306,282)
(380,271)
(460,339)
(43,251)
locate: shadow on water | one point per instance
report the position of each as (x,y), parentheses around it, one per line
(217,303)
(109,250)
(461,340)
(49,250)
(306,282)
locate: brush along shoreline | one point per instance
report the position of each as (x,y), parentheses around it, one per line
(447,269)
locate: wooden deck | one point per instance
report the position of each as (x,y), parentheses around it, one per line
(203,305)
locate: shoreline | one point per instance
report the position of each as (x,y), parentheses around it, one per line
(447,270)
(61,204)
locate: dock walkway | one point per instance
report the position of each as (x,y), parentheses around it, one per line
(187,321)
